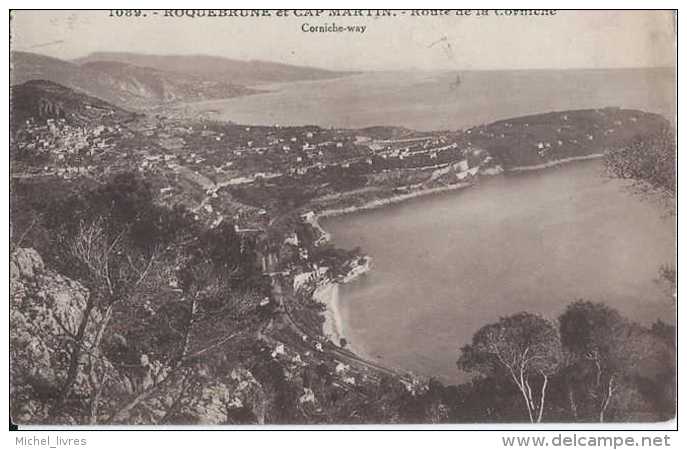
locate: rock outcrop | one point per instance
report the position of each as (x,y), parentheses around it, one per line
(45,312)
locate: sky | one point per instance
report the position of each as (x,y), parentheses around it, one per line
(569,39)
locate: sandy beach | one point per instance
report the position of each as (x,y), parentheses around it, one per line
(334,327)
(328,294)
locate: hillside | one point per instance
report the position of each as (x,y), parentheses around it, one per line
(41,100)
(124,85)
(160,86)
(542,138)
(218,68)
(30,66)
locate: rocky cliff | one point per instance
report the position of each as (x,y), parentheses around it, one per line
(45,312)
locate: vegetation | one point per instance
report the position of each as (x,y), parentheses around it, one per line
(649,159)
(162,295)
(594,366)
(551,136)
(522,347)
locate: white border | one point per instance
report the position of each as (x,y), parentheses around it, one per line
(332,439)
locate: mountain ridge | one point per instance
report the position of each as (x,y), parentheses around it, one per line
(43,100)
(127,86)
(219,68)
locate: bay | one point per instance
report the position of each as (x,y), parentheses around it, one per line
(445,265)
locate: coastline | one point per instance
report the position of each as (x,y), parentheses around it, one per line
(334,327)
(558,162)
(379,203)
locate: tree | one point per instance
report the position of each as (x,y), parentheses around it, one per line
(592,333)
(608,354)
(167,304)
(112,272)
(668,276)
(650,160)
(525,348)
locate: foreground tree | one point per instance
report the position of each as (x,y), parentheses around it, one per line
(609,357)
(113,273)
(150,306)
(593,334)
(524,348)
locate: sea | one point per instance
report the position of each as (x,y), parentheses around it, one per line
(448,264)
(434,101)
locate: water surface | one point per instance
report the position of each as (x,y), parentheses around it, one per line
(448,264)
(430,100)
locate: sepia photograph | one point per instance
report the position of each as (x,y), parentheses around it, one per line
(342,217)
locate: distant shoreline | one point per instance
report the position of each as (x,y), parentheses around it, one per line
(558,162)
(382,202)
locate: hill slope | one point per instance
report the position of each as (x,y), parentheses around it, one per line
(542,138)
(30,66)
(218,68)
(41,100)
(160,86)
(124,85)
